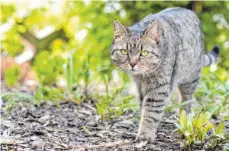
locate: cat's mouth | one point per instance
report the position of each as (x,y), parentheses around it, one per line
(134,71)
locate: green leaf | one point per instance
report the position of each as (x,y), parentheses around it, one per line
(12,75)
(220,130)
(205,130)
(183,119)
(204,118)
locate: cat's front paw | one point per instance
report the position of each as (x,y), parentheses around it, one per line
(141,140)
(147,135)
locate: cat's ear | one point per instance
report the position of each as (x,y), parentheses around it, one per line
(119,30)
(152,32)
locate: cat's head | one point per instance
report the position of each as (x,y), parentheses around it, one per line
(136,52)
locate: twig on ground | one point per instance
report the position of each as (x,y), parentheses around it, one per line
(110,144)
(10,141)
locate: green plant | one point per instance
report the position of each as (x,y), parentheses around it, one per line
(48,67)
(219,137)
(50,93)
(68,72)
(13,99)
(213,96)
(86,72)
(113,103)
(175,105)
(12,76)
(110,109)
(194,129)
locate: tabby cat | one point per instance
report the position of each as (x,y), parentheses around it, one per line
(161,52)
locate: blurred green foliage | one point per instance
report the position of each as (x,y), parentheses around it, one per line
(11,42)
(6,12)
(89,30)
(114,102)
(12,76)
(46,93)
(213,96)
(48,67)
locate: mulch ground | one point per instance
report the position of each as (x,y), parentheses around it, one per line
(77,127)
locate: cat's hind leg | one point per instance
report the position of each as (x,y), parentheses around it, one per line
(187,91)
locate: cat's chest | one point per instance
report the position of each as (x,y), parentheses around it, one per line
(147,83)
(153,83)
(144,86)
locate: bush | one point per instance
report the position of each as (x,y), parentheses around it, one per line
(12,76)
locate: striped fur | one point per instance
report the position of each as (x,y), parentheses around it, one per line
(211,57)
(173,39)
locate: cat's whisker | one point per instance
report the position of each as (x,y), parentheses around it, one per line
(142,74)
(143,69)
(119,68)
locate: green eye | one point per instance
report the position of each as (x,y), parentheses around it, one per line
(144,53)
(124,51)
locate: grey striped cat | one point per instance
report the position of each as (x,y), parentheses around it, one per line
(161,52)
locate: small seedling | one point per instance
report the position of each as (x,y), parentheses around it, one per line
(13,99)
(194,129)
(113,103)
(219,137)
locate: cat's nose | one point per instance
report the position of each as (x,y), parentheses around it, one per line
(132,64)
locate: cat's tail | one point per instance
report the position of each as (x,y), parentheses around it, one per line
(211,57)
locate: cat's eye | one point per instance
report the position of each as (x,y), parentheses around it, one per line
(124,51)
(144,53)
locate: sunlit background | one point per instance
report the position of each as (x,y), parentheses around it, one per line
(52,48)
